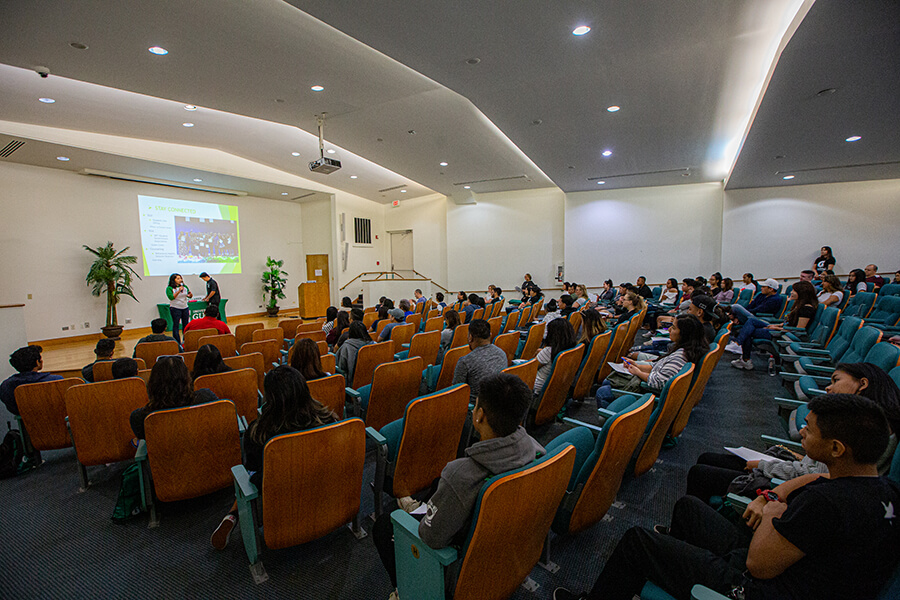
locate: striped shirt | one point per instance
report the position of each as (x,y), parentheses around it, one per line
(665,369)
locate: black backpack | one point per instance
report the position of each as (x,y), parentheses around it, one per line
(13,460)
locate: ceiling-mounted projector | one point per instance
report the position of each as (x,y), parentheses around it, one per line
(323,164)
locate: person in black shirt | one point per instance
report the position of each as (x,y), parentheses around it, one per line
(104,351)
(816,537)
(824,262)
(212,290)
(642,288)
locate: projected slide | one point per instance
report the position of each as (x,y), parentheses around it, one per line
(185,237)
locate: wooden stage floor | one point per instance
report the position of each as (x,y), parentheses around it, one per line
(66,358)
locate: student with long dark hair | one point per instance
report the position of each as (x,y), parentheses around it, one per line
(856,282)
(208,361)
(825,261)
(306,359)
(346,354)
(560,337)
(341,323)
(331,314)
(170,386)
(178,295)
(288,408)
(608,294)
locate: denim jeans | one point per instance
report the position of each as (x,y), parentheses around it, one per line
(752,329)
(179,314)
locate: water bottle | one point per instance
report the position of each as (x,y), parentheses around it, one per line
(771,366)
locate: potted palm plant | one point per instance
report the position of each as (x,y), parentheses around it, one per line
(273,280)
(111,272)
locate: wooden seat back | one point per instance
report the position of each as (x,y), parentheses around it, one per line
(633,325)
(425,345)
(437,312)
(144,375)
(434,324)
(527,372)
(42,407)
(369,318)
(191,449)
(189,358)
(556,389)
(252,360)
(614,354)
(394,384)
(367,360)
(99,417)
(319,468)
(370,309)
(402,334)
(514,513)
(270,349)
(512,321)
(478,314)
(329,391)
(309,327)
(317,336)
(621,437)
(244,333)
(103,370)
(414,320)
(269,333)
(596,356)
(382,324)
(150,351)
(190,338)
(419,308)
(239,386)
(448,365)
(575,319)
(460,336)
(432,427)
(329,362)
(289,327)
(695,392)
(533,341)
(496,323)
(670,400)
(509,343)
(226,343)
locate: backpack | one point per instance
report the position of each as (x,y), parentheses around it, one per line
(13,460)
(128,503)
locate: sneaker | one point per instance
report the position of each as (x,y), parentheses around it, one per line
(734,348)
(742,364)
(395,595)
(222,534)
(661,529)
(564,594)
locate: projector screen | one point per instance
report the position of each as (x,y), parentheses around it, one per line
(179,236)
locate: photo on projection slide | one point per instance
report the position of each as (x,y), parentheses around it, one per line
(179,236)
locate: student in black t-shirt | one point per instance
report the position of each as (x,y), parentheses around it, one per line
(212,290)
(817,537)
(824,262)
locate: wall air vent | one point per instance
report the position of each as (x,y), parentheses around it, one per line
(165,182)
(362,232)
(11,147)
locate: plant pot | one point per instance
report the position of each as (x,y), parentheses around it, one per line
(272,311)
(112,331)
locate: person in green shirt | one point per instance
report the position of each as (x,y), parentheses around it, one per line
(178,294)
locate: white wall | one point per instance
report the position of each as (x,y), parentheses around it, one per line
(427,218)
(49,213)
(779,231)
(359,258)
(660,232)
(504,236)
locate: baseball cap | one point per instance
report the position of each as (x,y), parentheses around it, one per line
(397,313)
(704,303)
(771,283)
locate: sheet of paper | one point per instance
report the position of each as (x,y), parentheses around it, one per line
(620,368)
(748,454)
(421,510)
(660,338)
(663,331)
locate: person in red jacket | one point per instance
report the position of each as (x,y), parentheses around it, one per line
(210,320)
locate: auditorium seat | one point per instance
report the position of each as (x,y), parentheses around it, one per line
(42,413)
(550,401)
(226,343)
(438,377)
(590,365)
(393,385)
(244,333)
(614,354)
(526,371)
(415,320)
(150,351)
(460,336)
(532,343)
(434,324)
(239,386)
(288,328)
(252,360)
(509,343)
(368,359)
(270,349)
(329,392)
(103,369)
(425,345)
(190,338)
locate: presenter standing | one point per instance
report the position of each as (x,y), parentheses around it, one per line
(178,295)
(213,297)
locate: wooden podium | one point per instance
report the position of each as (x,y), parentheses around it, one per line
(313,299)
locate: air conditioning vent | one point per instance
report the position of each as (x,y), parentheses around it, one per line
(391,189)
(661,172)
(11,147)
(362,232)
(513,178)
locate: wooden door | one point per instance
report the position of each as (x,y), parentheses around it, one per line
(318,296)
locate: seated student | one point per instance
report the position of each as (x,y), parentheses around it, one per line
(704,308)
(125,367)
(642,289)
(398,316)
(725,293)
(451,322)
(832,293)
(439,300)
(170,386)
(331,314)
(474,303)
(28,362)
(535,295)
(632,304)
(714,281)
(461,299)
(591,326)
(608,294)
(560,337)
(341,323)
(406,307)
(382,315)
(688,344)
(103,351)
(566,306)
(208,362)
(552,313)
(502,402)
(419,297)
(210,320)
(747,282)
(688,288)
(670,293)
(158,327)
(495,293)
(307,360)
(288,408)
(346,354)
(873,277)
(714,471)
(580,296)
(356,314)
(856,282)
(896,279)
(767,301)
(483,360)
(826,537)
(804,310)
(346,304)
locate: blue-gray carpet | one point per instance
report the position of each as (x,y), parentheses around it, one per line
(58,543)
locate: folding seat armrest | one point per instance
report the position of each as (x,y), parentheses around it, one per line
(284,352)
(352,393)
(354,400)
(788,357)
(339,370)
(788,376)
(815,392)
(738,503)
(405,346)
(593,428)
(799,330)
(372,433)
(789,403)
(606,413)
(618,393)
(519,361)
(407,525)
(815,352)
(242,484)
(699,592)
(769,439)
(822,370)
(141,454)
(776,482)
(242,424)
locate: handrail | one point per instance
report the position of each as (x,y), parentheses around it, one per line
(380,274)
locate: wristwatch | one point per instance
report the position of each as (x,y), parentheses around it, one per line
(769,495)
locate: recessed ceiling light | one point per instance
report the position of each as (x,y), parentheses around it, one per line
(601,183)
(158,50)
(788,177)
(190,107)
(284,193)
(295,154)
(443,164)
(853,138)
(330,151)
(187,124)
(78,45)
(607,153)
(63,158)
(198,180)
(402,191)
(47,100)
(473,61)
(467,187)
(353,177)
(612,108)
(581,30)
(317,88)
